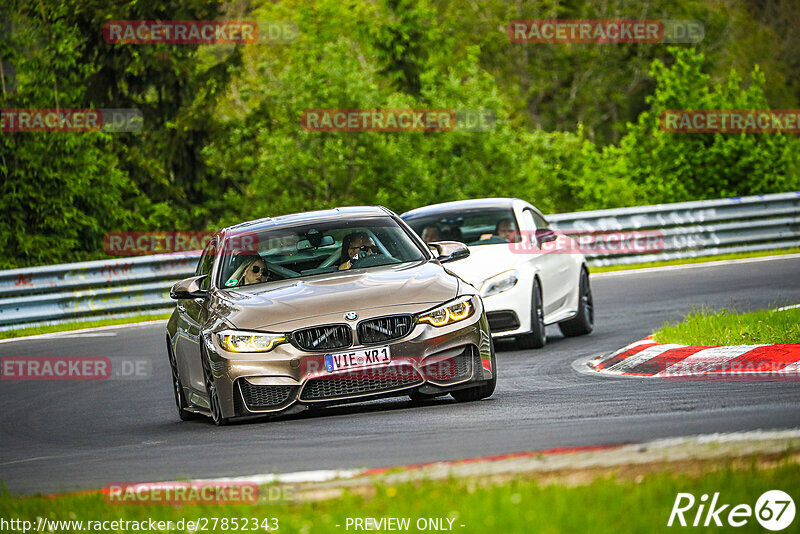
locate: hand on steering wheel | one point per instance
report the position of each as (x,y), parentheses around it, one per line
(362,255)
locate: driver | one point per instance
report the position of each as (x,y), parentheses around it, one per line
(356,243)
(431,234)
(504,230)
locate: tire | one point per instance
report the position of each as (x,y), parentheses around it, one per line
(478,392)
(213,395)
(177,389)
(536,339)
(583,322)
(469,394)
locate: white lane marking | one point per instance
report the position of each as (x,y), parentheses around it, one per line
(67,334)
(787,307)
(728,437)
(33,459)
(693,265)
(322,475)
(70,332)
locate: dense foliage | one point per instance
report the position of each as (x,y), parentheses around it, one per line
(577,125)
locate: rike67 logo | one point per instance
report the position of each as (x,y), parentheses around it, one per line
(774,510)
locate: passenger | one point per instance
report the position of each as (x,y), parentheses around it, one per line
(356,243)
(252,271)
(431,233)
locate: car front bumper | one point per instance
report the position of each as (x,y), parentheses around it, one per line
(429,359)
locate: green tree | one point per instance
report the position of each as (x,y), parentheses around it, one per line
(674,167)
(175,86)
(60,192)
(278,167)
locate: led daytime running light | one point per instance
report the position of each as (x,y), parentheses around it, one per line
(448,314)
(246,342)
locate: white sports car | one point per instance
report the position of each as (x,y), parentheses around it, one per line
(525,284)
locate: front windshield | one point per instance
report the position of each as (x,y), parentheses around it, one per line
(471,227)
(311,249)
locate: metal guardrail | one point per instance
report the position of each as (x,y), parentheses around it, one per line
(100,289)
(94,289)
(696,229)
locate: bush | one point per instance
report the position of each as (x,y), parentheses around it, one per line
(675,167)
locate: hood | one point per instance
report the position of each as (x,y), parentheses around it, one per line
(485,261)
(337,293)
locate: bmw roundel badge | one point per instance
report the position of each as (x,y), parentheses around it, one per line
(351,316)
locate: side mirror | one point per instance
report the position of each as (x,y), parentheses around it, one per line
(546,236)
(188,289)
(449,250)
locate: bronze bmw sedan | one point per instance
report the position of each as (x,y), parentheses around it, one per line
(322,308)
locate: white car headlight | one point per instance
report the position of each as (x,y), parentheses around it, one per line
(241,341)
(499,283)
(450,313)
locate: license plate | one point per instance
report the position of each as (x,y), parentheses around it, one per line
(373,357)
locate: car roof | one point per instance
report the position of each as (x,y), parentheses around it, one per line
(294,219)
(461,205)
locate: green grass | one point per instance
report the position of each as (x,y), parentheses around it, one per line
(725,327)
(704,259)
(635,503)
(77,325)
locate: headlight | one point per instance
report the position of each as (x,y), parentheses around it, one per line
(500,283)
(240,341)
(449,313)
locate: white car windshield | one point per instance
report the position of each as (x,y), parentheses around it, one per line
(474,227)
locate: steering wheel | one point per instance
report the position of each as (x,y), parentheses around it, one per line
(371,260)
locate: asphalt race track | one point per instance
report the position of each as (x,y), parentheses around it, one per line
(63,435)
